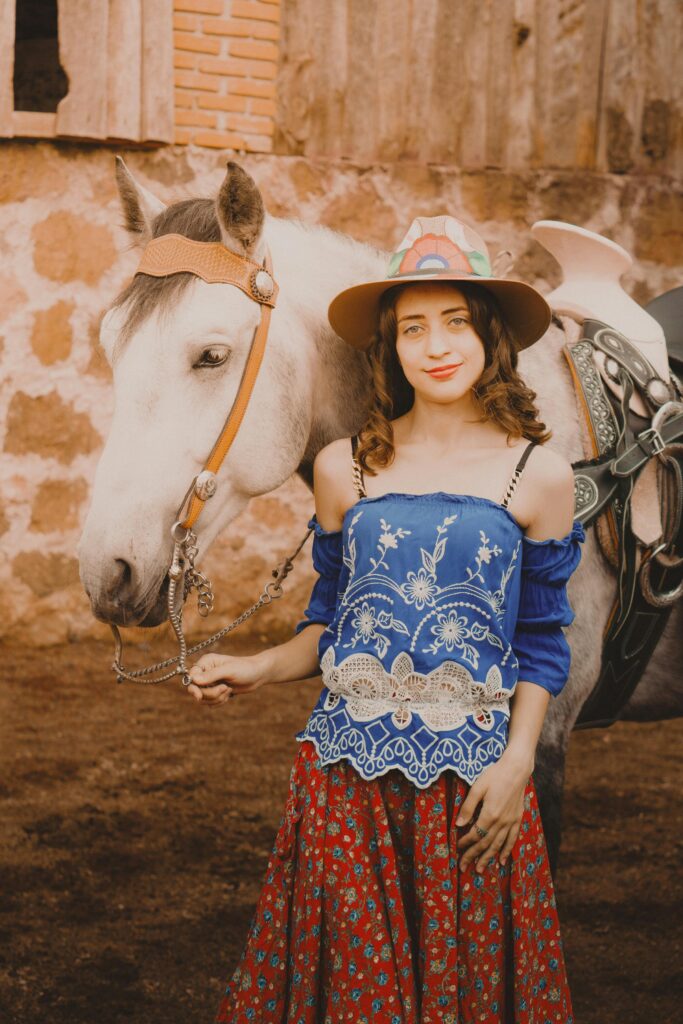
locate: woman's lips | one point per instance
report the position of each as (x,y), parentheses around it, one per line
(444,372)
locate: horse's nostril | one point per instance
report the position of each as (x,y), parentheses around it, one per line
(121,580)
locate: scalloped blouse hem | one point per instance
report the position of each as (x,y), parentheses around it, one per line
(385,771)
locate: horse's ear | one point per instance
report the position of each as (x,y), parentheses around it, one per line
(240,212)
(140,206)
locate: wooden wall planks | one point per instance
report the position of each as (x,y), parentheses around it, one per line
(575,84)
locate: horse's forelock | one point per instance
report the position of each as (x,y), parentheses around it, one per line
(193,218)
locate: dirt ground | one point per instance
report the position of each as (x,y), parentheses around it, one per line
(136,828)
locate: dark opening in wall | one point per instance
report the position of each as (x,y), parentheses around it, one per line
(39,79)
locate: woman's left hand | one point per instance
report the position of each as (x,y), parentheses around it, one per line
(501,786)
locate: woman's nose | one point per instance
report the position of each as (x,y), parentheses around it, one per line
(438,342)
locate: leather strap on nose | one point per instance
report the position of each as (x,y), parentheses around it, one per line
(214,263)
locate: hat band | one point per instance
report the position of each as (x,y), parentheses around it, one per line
(434,272)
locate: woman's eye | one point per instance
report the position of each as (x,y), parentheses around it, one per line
(212,357)
(413,329)
(459,321)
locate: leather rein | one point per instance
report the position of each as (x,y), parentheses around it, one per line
(213,263)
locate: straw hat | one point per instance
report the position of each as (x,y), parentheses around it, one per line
(440,249)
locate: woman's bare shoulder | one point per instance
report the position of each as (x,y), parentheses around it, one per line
(550,467)
(333,483)
(550,479)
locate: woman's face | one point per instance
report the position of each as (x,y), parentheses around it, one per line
(441,354)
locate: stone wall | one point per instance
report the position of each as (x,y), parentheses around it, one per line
(64,257)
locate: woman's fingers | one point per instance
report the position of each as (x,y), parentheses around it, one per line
(211,695)
(209,669)
(509,842)
(492,850)
(481,848)
(469,806)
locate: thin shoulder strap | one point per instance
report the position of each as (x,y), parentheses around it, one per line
(514,479)
(358,481)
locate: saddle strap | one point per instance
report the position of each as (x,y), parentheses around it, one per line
(656,391)
(597,480)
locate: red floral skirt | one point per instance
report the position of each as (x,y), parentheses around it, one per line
(365,916)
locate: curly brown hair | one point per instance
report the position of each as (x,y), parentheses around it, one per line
(501,393)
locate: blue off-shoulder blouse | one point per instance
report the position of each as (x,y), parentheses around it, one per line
(434,606)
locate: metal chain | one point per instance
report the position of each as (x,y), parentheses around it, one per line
(182,568)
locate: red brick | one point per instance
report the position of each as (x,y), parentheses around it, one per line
(196,118)
(241,27)
(257,125)
(258,144)
(235,104)
(185,61)
(185,22)
(266,108)
(188,80)
(200,6)
(199,44)
(259,11)
(184,100)
(246,68)
(248,87)
(219,140)
(182,137)
(253,50)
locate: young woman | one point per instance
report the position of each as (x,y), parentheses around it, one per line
(409,880)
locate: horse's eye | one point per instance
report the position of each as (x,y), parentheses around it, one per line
(216,356)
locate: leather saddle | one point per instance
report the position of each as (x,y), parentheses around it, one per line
(649,576)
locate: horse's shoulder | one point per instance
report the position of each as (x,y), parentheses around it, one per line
(333,482)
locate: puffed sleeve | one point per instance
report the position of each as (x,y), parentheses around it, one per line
(539,644)
(328,562)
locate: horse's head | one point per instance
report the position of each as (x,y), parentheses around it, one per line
(177,346)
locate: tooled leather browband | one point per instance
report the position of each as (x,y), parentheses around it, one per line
(212,261)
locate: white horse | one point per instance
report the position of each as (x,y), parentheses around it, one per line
(177,347)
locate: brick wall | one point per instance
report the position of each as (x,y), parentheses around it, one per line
(226,55)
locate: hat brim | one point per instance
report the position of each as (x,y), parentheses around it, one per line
(354,313)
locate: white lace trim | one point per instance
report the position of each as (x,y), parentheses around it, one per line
(443,698)
(422,777)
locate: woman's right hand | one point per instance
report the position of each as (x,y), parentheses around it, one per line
(218,677)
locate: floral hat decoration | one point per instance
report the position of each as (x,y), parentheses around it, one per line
(440,249)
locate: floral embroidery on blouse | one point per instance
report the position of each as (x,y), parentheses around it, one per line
(431,616)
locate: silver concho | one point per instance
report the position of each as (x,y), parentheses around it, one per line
(612,369)
(658,390)
(205,485)
(262,285)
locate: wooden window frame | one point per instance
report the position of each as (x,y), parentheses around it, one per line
(101,44)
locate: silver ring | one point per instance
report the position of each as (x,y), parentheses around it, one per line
(482,832)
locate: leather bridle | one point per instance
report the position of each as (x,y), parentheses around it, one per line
(213,263)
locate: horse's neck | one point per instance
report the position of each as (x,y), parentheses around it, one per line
(312,265)
(545,369)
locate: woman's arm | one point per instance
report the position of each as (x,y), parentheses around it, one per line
(502,785)
(295,659)
(552,516)
(217,677)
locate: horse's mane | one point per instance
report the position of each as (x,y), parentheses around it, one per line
(193,218)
